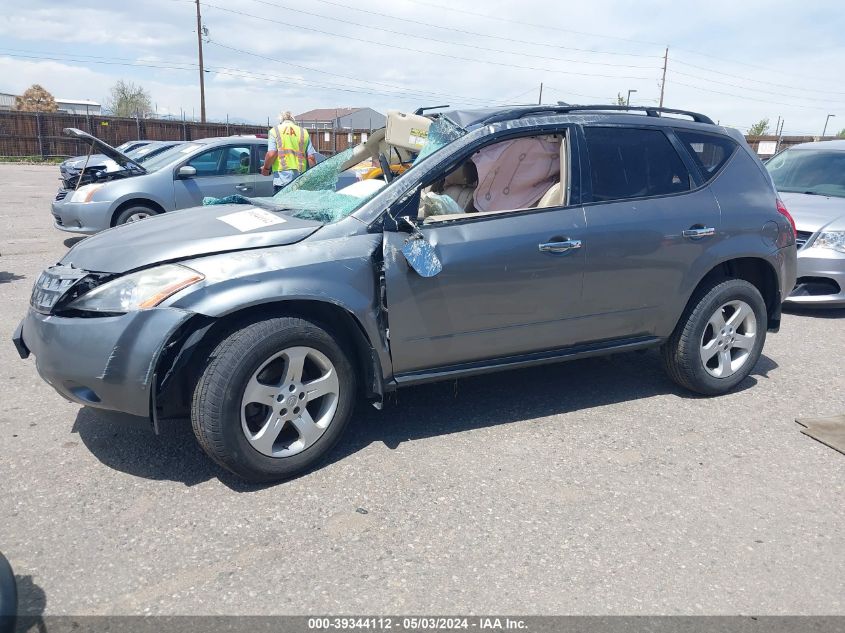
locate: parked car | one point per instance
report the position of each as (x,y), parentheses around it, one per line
(265,322)
(95,161)
(100,164)
(175,179)
(811,180)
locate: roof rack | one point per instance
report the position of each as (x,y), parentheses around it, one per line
(564,108)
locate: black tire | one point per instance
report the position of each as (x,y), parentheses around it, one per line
(217,401)
(135,209)
(681,353)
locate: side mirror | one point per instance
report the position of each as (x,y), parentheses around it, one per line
(418,252)
(186,171)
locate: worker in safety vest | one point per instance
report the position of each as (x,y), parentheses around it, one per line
(289,152)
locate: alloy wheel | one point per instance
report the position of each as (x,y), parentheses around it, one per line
(289,401)
(728,339)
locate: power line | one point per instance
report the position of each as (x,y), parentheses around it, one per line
(237,72)
(446,28)
(803,77)
(759,90)
(416,50)
(728,94)
(339,75)
(760,81)
(555,28)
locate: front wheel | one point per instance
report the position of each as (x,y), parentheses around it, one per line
(134,213)
(719,339)
(274,399)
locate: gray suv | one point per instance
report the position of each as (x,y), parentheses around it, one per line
(177,178)
(491,239)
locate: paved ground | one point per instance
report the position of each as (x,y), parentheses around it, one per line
(589,487)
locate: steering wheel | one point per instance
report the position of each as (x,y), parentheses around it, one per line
(385,168)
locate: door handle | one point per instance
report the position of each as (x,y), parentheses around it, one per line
(559,247)
(696,232)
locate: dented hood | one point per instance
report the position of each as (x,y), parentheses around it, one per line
(185,234)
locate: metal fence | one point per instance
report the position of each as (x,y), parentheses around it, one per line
(39,134)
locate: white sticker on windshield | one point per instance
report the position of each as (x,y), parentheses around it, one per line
(251,219)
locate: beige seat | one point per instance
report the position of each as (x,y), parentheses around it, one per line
(457,186)
(553,197)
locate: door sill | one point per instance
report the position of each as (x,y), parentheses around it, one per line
(525,360)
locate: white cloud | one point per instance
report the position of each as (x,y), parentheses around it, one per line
(355,67)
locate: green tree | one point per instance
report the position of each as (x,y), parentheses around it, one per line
(841,133)
(36,99)
(761,128)
(620,100)
(127,99)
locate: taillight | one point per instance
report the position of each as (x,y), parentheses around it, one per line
(783,211)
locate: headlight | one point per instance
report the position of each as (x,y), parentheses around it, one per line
(85,193)
(144,289)
(831,239)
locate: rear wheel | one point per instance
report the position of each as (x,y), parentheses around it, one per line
(719,339)
(274,399)
(134,213)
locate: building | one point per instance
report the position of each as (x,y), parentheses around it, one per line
(79,106)
(68,106)
(342,118)
(7,101)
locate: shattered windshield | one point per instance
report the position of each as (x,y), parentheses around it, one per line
(441,133)
(314,195)
(328,193)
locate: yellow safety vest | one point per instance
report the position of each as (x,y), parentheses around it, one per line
(292,146)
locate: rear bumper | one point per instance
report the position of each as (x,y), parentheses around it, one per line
(821,278)
(103,362)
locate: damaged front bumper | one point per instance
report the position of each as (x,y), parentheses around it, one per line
(102,362)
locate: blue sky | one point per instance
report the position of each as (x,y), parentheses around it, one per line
(735,60)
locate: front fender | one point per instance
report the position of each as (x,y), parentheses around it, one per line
(341,272)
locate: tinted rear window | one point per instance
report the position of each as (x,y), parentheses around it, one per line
(708,151)
(633,163)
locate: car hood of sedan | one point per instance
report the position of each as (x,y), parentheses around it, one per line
(184,234)
(812,212)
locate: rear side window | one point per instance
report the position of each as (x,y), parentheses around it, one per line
(633,163)
(708,151)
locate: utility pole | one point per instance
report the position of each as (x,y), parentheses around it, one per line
(628,100)
(540,100)
(202,71)
(662,81)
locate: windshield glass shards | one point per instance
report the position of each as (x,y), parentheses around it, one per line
(322,177)
(314,195)
(441,133)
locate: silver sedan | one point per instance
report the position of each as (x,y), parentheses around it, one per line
(811,181)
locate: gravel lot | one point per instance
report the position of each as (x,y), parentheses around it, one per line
(593,487)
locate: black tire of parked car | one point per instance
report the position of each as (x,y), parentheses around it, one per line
(128,212)
(216,407)
(681,352)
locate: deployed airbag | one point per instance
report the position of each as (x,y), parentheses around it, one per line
(515,174)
